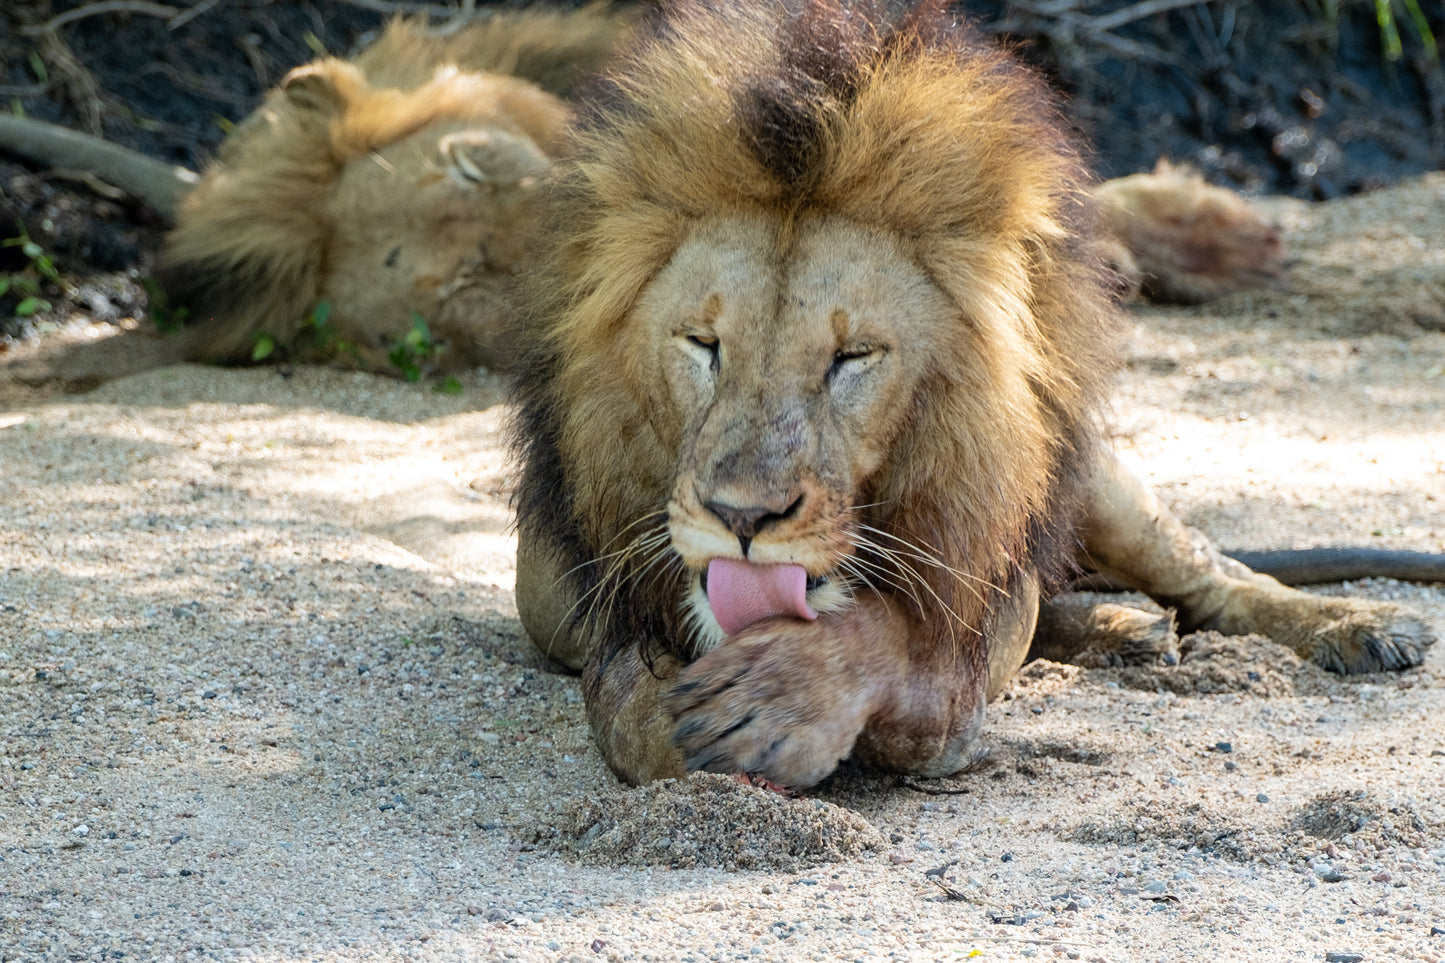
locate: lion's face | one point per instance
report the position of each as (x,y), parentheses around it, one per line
(788,377)
(432,225)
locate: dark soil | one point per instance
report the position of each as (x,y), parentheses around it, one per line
(1266,96)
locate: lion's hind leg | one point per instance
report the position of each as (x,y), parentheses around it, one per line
(1099,635)
(1129,535)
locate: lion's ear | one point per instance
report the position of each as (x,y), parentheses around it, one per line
(325,86)
(494,157)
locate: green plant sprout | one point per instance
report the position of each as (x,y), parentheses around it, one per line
(416,347)
(168,320)
(26,284)
(1390,31)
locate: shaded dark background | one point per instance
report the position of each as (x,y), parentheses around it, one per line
(1275,96)
(1269,96)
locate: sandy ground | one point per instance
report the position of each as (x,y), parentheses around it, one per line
(264,695)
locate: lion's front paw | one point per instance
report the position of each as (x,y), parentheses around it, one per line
(766,703)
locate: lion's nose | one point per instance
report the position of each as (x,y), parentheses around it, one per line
(746,521)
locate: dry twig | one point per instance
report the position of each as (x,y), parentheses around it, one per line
(103,7)
(401,7)
(1137,11)
(74,79)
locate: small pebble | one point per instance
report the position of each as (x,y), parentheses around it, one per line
(1261,798)
(1337,956)
(1224,747)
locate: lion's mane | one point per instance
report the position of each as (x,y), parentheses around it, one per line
(912,123)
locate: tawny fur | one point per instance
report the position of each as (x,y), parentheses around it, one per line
(400,184)
(1178,239)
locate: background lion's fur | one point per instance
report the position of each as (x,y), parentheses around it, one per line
(254,242)
(919,127)
(1177,239)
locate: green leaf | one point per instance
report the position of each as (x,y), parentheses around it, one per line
(1389,33)
(16,107)
(1422,27)
(320,314)
(31,305)
(4,286)
(419,337)
(37,66)
(450,386)
(314,42)
(265,344)
(405,362)
(32,250)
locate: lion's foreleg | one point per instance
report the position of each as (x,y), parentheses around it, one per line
(625,707)
(789,699)
(1130,535)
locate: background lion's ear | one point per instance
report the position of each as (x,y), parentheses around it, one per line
(494,157)
(326,86)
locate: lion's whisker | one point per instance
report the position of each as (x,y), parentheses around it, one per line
(922,554)
(598,601)
(859,570)
(899,559)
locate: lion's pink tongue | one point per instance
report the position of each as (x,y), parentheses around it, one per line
(742,593)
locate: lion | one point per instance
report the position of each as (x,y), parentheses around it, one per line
(396,189)
(810,412)
(1175,239)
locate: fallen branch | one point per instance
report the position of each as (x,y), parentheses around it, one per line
(187,16)
(159,185)
(103,7)
(397,7)
(1137,11)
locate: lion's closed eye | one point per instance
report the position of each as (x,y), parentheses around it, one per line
(855,359)
(705,348)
